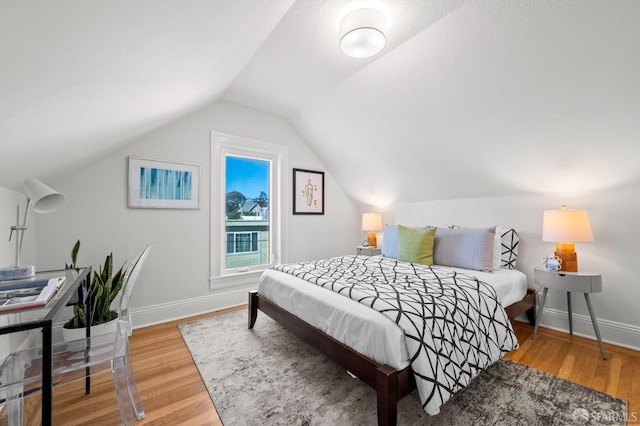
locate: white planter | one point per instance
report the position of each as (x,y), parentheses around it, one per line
(96,330)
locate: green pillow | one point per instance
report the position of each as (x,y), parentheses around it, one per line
(416,245)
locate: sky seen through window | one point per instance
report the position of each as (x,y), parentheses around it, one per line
(248,176)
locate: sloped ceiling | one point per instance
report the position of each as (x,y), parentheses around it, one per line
(81,78)
(468,98)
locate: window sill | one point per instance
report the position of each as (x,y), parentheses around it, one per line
(234,280)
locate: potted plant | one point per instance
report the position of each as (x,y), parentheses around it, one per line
(105,287)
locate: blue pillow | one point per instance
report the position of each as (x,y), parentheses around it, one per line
(390,241)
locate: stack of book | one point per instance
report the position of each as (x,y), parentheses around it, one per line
(28,294)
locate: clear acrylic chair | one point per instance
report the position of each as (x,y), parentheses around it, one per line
(21,372)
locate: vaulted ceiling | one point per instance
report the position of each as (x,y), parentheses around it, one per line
(467,99)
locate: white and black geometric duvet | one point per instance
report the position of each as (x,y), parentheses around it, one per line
(454,325)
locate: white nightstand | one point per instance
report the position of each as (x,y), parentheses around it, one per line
(579,282)
(368,251)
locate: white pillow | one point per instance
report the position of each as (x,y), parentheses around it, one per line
(496,261)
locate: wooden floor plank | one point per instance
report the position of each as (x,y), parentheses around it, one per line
(634,397)
(173,393)
(584,368)
(569,361)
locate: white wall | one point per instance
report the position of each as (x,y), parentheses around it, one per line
(175,281)
(614,253)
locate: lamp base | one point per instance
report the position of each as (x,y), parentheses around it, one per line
(569,260)
(371,239)
(17,272)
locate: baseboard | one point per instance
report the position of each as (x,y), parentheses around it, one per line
(156,314)
(625,335)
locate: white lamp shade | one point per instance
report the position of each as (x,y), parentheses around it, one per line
(362,33)
(566,226)
(44,198)
(371,222)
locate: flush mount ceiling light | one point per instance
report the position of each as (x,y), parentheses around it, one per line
(361,33)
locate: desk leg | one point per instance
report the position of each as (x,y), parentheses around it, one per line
(87,349)
(570,312)
(595,325)
(539,316)
(47,379)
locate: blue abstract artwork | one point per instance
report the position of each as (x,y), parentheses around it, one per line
(165,184)
(156,184)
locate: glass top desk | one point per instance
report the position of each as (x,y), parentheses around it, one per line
(76,281)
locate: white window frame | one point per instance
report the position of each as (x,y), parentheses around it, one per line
(222,145)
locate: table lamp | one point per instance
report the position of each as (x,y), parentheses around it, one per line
(44,200)
(371,222)
(566,227)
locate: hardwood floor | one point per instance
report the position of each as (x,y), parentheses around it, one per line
(172,391)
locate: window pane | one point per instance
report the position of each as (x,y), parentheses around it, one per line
(247,186)
(254,241)
(230,244)
(243,243)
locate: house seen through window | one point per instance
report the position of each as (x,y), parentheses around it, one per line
(247,219)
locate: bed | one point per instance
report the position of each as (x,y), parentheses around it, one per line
(365,342)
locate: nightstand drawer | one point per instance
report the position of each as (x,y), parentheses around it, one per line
(569,281)
(368,251)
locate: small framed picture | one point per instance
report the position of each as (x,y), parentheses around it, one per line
(308,192)
(155,184)
(552,263)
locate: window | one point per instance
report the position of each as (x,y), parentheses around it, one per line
(247,224)
(246,205)
(242,242)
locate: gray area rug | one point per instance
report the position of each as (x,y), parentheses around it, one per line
(268,376)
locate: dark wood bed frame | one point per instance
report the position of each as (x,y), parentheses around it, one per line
(391,385)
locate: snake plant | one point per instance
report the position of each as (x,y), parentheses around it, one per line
(105,287)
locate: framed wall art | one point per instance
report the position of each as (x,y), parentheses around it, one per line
(308,192)
(163,184)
